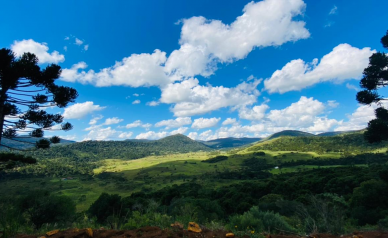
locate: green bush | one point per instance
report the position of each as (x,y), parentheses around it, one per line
(138,220)
(41,207)
(257,220)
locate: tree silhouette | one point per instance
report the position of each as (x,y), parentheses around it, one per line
(376,77)
(26,90)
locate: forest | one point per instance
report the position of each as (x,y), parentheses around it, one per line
(255,188)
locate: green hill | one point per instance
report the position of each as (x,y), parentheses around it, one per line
(334,133)
(349,142)
(22,143)
(230,142)
(292,133)
(97,150)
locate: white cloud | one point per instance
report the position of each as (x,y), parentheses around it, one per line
(334,10)
(94,120)
(80,110)
(153,103)
(343,63)
(253,114)
(151,135)
(181,130)
(113,120)
(65,48)
(360,117)
(205,42)
(136,102)
(125,135)
(136,70)
(138,123)
(69,137)
(173,123)
(201,123)
(298,114)
(332,103)
(323,124)
(190,98)
(67,38)
(101,134)
(352,87)
(39,49)
(78,41)
(136,95)
(86,47)
(229,121)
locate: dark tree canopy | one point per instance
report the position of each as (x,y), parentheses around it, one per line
(376,77)
(25,91)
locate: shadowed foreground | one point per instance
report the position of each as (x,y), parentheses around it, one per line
(178,232)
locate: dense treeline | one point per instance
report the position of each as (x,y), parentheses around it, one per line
(351,160)
(352,143)
(96,150)
(334,200)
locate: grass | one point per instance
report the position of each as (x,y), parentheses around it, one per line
(153,173)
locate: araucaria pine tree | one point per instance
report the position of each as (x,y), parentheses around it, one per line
(25,91)
(376,77)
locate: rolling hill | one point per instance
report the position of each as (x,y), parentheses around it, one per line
(27,143)
(230,142)
(351,142)
(96,150)
(292,133)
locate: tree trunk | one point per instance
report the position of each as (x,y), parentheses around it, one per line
(2,102)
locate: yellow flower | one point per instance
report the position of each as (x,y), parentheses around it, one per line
(235,226)
(252,232)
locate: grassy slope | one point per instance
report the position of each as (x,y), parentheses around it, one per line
(348,143)
(153,172)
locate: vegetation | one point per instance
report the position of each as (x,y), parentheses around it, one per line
(344,143)
(25,86)
(375,77)
(230,142)
(246,191)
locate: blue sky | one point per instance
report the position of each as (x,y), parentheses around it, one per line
(206,69)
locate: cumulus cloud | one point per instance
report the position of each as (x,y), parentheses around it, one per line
(136,102)
(205,42)
(99,133)
(298,114)
(78,41)
(113,120)
(229,121)
(138,123)
(86,47)
(136,70)
(173,123)
(332,103)
(360,117)
(39,49)
(80,110)
(253,114)
(152,135)
(125,135)
(201,123)
(190,98)
(94,120)
(152,103)
(344,62)
(181,130)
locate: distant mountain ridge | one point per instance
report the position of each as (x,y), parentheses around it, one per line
(97,150)
(351,142)
(230,142)
(24,143)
